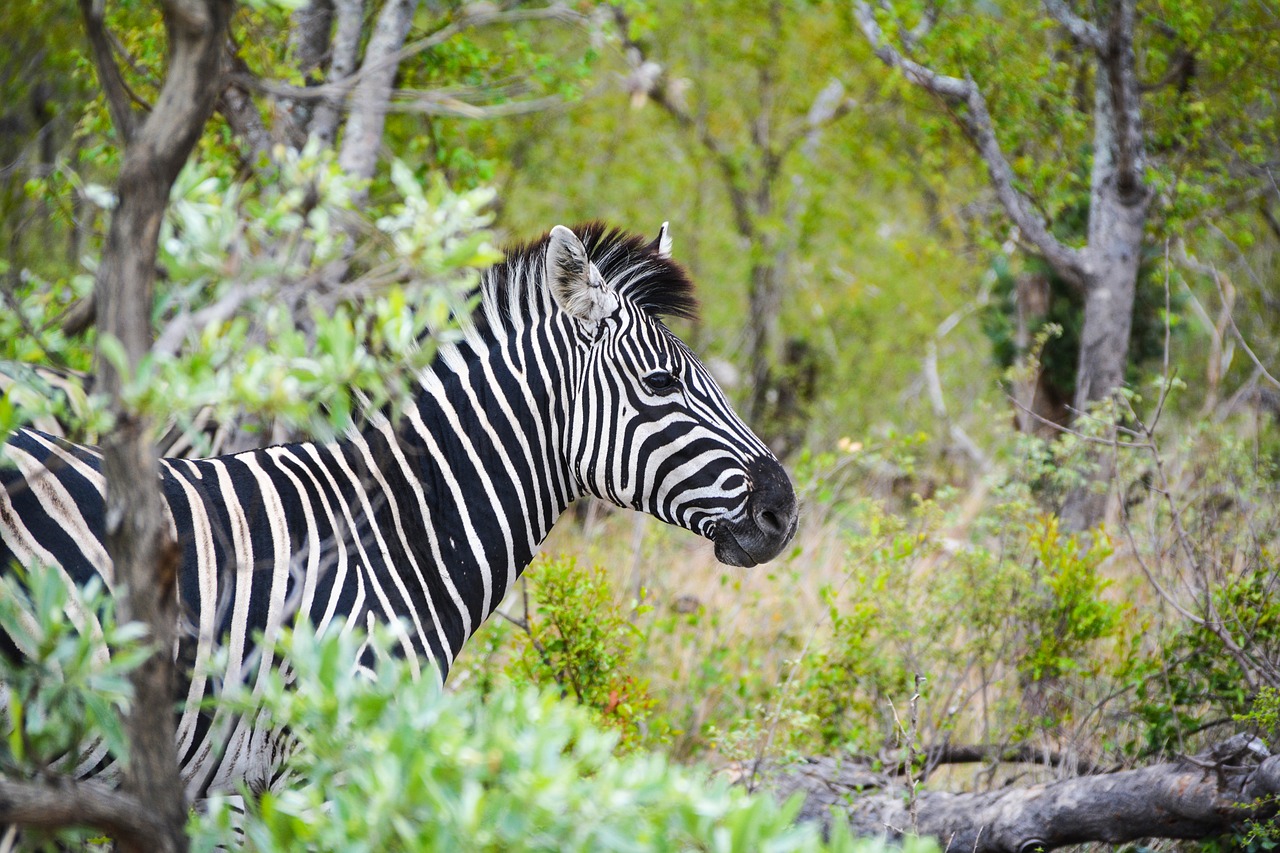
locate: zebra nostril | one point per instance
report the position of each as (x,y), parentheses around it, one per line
(770,522)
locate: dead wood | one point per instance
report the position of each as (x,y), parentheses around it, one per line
(1216,792)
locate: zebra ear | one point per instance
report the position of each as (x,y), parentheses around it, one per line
(661,245)
(575,282)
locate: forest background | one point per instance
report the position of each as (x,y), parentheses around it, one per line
(997,554)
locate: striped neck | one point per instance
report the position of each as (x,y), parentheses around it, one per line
(474,472)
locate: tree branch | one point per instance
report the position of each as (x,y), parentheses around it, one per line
(648,80)
(241,113)
(829,106)
(367,93)
(343,54)
(119,100)
(79,316)
(372,91)
(1068,262)
(441,104)
(89,804)
(1024,753)
(136,535)
(371,86)
(1119,63)
(1081,30)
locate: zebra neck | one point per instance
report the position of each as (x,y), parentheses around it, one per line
(472,475)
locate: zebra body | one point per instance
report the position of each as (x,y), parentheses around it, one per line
(564,383)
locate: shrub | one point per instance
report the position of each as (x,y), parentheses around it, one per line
(390,763)
(582,640)
(60,703)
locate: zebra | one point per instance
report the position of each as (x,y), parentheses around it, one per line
(563,383)
(70,390)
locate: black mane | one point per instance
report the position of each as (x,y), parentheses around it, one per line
(658,285)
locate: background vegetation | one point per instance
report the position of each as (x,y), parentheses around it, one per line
(865,300)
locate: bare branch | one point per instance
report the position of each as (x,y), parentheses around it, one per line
(370,87)
(368,107)
(367,93)
(89,804)
(1126,106)
(951,88)
(188,322)
(829,106)
(344,51)
(1068,262)
(651,81)
(437,104)
(921,30)
(119,99)
(1212,272)
(1081,30)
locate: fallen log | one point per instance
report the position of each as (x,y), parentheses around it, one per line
(1216,792)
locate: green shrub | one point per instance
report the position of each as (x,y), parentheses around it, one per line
(391,764)
(62,702)
(582,640)
(64,697)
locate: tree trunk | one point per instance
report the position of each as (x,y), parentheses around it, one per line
(362,137)
(309,43)
(1212,794)
(1040,407)
(1117,222)
(144,559)
(762,325)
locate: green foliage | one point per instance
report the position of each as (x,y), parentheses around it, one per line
(391,764)
(65,693)
(581,640)
(850,678)
(62,702)
(911,560)
(1264,713)
(1065,602)
(229,245)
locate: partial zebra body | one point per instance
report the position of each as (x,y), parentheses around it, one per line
(565,383)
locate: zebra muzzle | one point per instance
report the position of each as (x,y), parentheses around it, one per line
(769,522)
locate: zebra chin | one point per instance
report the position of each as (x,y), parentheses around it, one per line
(769,523)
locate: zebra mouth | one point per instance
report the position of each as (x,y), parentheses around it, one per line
(729,552)
(768,524)
(746,545)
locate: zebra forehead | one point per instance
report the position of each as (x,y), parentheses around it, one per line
(629,263)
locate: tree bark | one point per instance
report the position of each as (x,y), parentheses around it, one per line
(1204,796)
(309,43)
(1106,269)
(762,337)
(362,137)
(1117,223)
(143,558)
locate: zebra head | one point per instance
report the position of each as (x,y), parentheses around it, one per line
(648,427)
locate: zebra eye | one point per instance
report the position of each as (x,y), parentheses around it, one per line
(661,382)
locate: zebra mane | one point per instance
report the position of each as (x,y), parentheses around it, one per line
(631,264)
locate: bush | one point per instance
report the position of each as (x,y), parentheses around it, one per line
(583,641)
(60,703)
(390,763)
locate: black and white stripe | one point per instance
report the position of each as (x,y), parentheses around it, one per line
(564,383)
